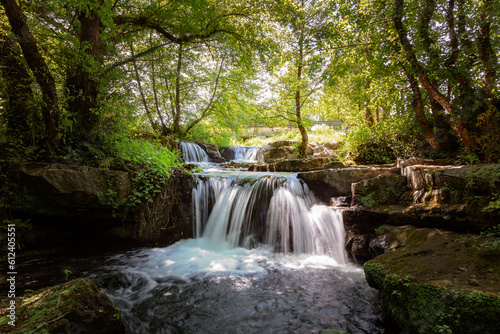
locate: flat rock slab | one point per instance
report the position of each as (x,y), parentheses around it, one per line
(437,278)
(338,181)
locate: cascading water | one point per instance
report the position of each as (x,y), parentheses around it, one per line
(192,152)
(267,259)
(276,211)
(245,153)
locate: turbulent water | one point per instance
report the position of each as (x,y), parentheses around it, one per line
(190,287)
(267,258)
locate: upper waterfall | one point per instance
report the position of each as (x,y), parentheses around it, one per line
(192,152)
(245,153)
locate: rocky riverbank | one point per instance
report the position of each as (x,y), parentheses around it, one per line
(429,238)
(71,203)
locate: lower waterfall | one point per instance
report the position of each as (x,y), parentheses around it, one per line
(267,258)
(276,211)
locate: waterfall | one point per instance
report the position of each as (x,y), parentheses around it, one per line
(244,153)
(192,152)
(272,210)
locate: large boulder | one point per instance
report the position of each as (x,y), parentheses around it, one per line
(212,151)
(324,150)
(380,190)
(73,203)
(433,281)
(286,150)
(66,190)
(330,183)
(73,307)
(281,149)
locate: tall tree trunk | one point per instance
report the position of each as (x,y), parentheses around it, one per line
(487,55)
(177,116)
(298,103)
(82,82)
(369,116)
(35,61)
(456,123)
(18,88)
(141,93)
(155,94)
(417,105)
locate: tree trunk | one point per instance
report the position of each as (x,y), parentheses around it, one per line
(455,121)
(417,104)
(141,93)
(18,88)
(82,84)
(155,94)
(177,116)
(35,61)
(487,55)
(298,104)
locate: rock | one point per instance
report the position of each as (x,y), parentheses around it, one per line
(402,164)
(380,190)
(71,190)
(422,288)
(67,204)
(357,246)
(233,164)
(337,182)
(422,177)
(212,152)
(473,282)
(480,179)
(294,165)
(282,149)
(227,153)
(324,150)
(76,306)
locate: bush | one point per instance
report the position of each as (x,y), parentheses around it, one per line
(394,137)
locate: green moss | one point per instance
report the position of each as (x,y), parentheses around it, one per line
(76,305)
(426,308)
(375,274)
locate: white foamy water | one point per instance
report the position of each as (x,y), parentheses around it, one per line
(192,287)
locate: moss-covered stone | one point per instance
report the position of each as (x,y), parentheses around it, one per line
(74,307)
(426,282)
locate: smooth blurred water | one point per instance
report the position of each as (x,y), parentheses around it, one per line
(190,287)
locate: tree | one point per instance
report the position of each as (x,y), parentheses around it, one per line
(301,30)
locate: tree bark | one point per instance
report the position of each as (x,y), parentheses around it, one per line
(417,104)
(141,93)
(298,102)
(35,61)
(83,85)
(18,88)
(487,55)
(177,116)
(455,121)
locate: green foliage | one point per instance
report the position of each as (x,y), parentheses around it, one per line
(394,137)
(152,155)
(152,165)
(494,205)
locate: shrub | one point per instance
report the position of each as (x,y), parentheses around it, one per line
(394,137)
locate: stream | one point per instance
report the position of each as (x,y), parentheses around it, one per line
(267,258)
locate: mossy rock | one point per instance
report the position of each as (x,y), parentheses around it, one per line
(440,282)
(74,307)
